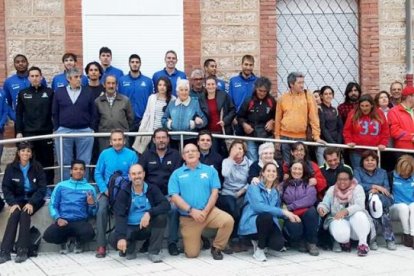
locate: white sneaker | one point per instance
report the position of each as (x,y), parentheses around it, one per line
(254,243)
(259,255)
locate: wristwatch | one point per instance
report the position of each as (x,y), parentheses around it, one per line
(189,209)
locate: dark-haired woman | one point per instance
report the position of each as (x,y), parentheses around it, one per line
(346,217)
(365,126)
(375,182)
(220,113)
(300,198)
(260,218)
(330,122)
(257,116)
(24,187)
(154,111)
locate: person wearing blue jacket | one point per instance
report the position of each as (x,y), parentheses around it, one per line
(241,86)
(403,192)
(73,201)
(69,61)
(137,88)
(4,111)
(17,82)
(261,213)
(105,57)
(375,182)
(116,158)
(183,114)
(170,71)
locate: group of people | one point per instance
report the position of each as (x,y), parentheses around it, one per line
(235,186)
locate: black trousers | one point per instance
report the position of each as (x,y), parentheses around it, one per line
(82,230)
(268,233)
(17,219)
(155,232)
(307,229)
(44,154)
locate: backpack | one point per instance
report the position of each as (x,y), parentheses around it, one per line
(116,183)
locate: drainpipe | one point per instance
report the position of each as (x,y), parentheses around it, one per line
(408,42)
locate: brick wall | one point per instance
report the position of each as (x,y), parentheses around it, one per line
(73,29)
(392,42)
(2,43)
(229,30)
(192,35)
(369,46)
(35,28)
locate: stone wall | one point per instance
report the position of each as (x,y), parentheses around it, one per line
(35,28)
(392,42)
(229,30)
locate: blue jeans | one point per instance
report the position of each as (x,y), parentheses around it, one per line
(355,158)
(252,150)
(82,146)
(286,148)
(173,223)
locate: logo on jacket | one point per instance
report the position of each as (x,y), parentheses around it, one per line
(169,162)
(126,83)
(143,84)
(44,95)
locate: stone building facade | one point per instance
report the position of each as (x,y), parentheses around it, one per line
(224,30)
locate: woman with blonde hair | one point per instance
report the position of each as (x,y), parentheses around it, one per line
(403,192)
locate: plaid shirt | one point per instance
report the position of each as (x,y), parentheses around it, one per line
(344,109)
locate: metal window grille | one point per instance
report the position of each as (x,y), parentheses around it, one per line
(320,39)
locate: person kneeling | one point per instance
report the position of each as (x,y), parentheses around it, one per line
(260,218)
(71,203)
(140,213)
(344,206)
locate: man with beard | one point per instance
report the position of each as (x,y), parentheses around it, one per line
(137,88)
(159,162)
(170,71)
(114,111)
(17,82)
(352,94)
(94,72)
(115,158)
(241,86)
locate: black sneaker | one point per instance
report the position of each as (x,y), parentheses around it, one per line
(78,248)
(144,247)
(4,256)
(216,253)
(206,243)
(173,249)
(21,255)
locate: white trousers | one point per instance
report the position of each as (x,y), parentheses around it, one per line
(405,213)
(357,227)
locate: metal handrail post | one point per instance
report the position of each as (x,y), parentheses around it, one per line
(181,142)
(61,157)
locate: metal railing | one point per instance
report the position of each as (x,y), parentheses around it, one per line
(58,138)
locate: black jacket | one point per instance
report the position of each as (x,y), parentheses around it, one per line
(159,205)
(226,107)
(34,110)
(1,203)
(257,113)
(13,185)
(156,172)
(331,124)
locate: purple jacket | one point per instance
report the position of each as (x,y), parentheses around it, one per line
(298,194)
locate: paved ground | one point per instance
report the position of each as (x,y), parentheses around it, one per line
(381,262)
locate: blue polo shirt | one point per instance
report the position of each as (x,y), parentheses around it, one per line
(173,78)
(112,71)
(12,86)
(194,185)
(139,205)
(61,81)
(241,89)
(138,91)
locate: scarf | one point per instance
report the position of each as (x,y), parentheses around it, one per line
(345,196)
